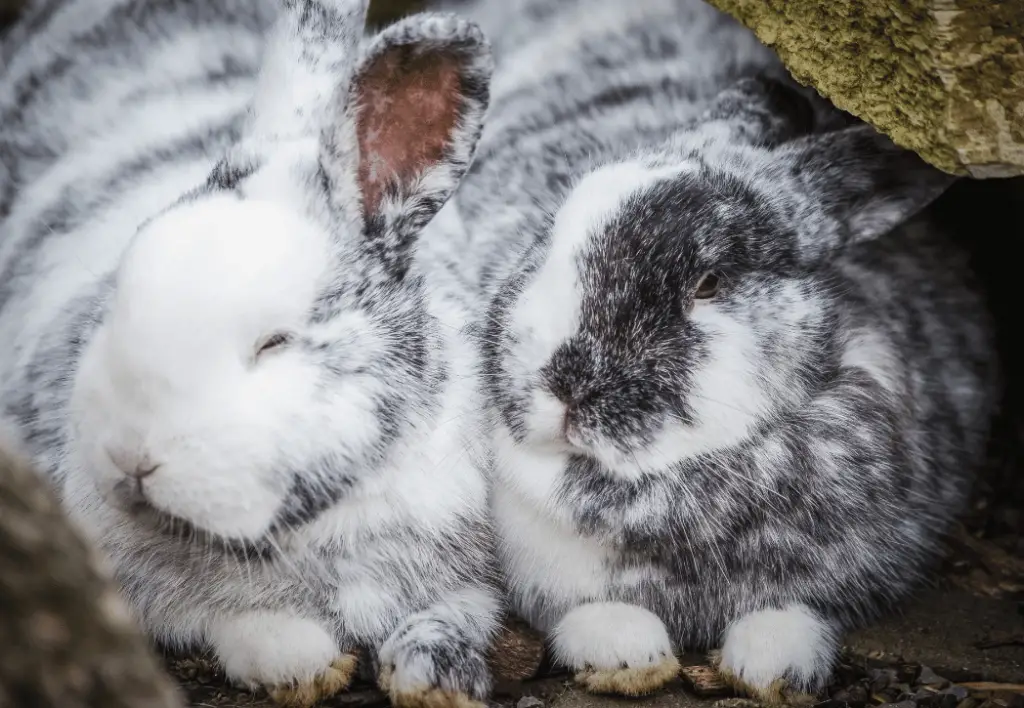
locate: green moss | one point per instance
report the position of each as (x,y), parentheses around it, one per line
(988,94)
(947,83)
(864,57)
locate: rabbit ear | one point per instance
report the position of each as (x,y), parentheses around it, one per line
(757,111)
(852,185)
(408,130)
(310,53)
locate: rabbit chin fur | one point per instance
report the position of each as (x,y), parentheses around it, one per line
(135,390)
(283,506)
(756,470)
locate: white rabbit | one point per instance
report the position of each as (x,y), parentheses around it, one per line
(250,386)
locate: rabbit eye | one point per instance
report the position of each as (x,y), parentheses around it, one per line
(271,342)
(707,288)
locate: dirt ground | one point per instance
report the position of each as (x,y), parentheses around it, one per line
(958,644)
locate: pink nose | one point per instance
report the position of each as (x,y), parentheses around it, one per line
(134,465)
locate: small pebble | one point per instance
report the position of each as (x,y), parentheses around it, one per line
(858,694)
(736,703)
(959,692)
(926,698)
(833,702)
(703,680)
(928,677)
(882,679)
(529,702)
(908,673)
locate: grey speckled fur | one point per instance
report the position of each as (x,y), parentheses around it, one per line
(758,470)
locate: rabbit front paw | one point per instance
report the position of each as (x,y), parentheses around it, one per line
(616,648)
(295,659)
(777,656)
(436,659)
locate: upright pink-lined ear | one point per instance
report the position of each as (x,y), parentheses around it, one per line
(414,111)
(410,106)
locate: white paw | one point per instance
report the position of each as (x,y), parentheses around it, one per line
(791,644)
(437,657)
(295,658)
(616,648)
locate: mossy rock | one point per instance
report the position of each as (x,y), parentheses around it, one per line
(944,78)
(68,641)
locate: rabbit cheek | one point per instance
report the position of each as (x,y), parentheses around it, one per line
(227,499)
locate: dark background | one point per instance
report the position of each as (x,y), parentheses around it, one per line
(381,11)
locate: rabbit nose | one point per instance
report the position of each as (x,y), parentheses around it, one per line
(569,413)
(567,406)
(133,464)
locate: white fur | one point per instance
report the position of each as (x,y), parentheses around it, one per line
(432,479)
(532,471)
(766,645)
(606,635)
(868,350)
(210,46)
(268,648)
(536,548)
(173,380)
(546,421)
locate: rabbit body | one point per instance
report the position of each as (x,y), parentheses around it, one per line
(250,389)
(736,398)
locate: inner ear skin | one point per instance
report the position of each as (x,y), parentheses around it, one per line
(408,108)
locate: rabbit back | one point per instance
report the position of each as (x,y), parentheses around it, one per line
(109,109)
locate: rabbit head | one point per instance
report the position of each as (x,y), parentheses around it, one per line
(672,303)
(267,339)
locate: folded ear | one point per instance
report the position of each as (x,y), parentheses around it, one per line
(756,110)
(408,130)
(852,185)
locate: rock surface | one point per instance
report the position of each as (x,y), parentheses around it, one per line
(66,639)
(944,78)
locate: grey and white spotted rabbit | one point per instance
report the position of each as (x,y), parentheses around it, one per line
(226,341)
(734,408)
